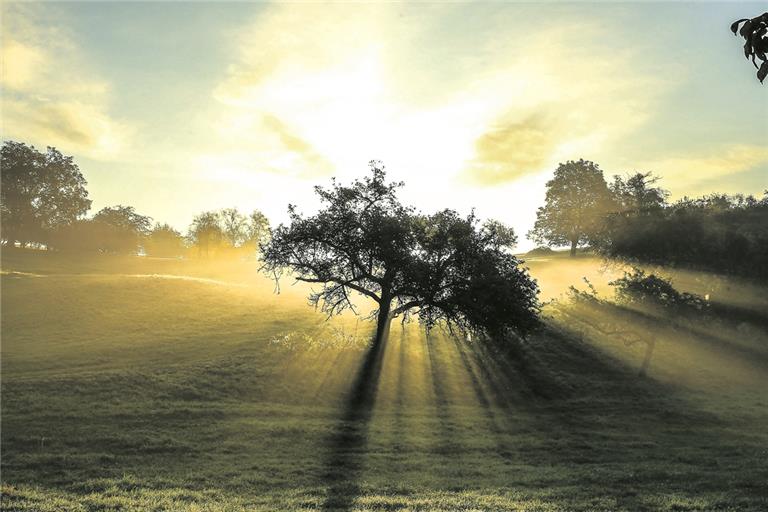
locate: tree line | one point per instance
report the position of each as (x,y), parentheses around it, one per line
(441,267)
(631,218)
(44,202)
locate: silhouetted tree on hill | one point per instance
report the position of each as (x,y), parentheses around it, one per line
(38,192)
(439,267)
(577,200)
(755,34)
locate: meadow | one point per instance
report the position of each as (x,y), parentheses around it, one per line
(159,384)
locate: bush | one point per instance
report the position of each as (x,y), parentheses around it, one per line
(726,234)
(637,287)
(540,251)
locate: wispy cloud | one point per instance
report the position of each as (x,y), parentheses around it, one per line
(49,96)
(694,173)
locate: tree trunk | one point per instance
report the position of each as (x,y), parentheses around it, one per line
(383,320)
(573,247)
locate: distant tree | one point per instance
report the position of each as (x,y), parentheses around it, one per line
(165,242)
(38,192)
(121,229)
(206,232)
(234,226)
(440,267)
(257,230)
(576,202)
(636,193)
(755,34)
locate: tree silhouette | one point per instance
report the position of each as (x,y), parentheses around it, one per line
(38,192)
(441,266)
(206,232)
(635,194)
(120,229)
(577,200)
(257,230)
(755,34)
(234,226)
(164,241)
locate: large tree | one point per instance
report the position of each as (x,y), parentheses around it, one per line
(39,192)
(576,202)
(438,267)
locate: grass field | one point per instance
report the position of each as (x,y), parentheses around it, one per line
(140,384)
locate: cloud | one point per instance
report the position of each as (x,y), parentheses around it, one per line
(560,96)
(693,173)
(512,149)
(346,88)
(49,95)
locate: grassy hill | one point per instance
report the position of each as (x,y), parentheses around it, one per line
(133,383)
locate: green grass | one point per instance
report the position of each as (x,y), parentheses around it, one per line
(124,388)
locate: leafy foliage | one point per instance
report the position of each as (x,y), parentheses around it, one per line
(577,199)
(206,232)
(165,242)
(120,229)
(39,192)
(639,287)
(115,229)
(718,232)
(444,266)
(233,224)
(755,34)
(634,194)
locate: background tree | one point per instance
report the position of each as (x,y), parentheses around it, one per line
(120,229)
(257,231)
(442,266)
(38,192)
(755,34)
(635,194)
(164,242)
(576,202)
(206,232)
(234,226)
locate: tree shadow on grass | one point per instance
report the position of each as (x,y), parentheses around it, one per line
(347,444)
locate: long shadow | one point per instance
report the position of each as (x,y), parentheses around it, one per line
(347,444)
(447,443)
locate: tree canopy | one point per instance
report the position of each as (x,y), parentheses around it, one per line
(635,193)
(165,242)
(439,267)
(120,229)
(39,192)
(577,200)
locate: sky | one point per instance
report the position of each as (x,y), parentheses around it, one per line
(180,107)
